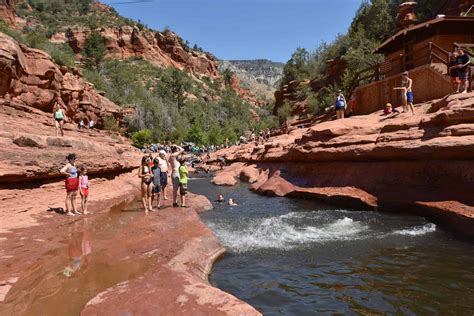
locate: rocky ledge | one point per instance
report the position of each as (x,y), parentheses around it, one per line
(422,164)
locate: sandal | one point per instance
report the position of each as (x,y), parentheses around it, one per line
(175,205)
(70,214)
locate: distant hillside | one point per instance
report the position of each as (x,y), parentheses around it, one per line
(261,76)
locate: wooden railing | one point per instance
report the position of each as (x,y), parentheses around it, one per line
(432,53)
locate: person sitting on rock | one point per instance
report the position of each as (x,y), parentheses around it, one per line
(232,202)
(59,118)
(390,110)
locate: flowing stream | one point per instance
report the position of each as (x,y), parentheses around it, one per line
(301,257)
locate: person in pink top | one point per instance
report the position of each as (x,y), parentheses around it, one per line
(83,188)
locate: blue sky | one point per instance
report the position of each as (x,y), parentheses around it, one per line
(247,29)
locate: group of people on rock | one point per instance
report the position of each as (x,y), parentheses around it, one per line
(459,63)
(154,173)
(60,118)
(76,180)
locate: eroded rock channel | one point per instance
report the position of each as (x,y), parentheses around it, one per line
(302,257)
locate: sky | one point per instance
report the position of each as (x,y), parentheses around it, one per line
(246,29)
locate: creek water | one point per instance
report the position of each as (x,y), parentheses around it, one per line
(300,257)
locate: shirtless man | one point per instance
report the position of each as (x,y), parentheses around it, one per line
(164,167)
(173,160)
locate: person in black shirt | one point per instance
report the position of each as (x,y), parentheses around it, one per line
(462,62)
(454,71)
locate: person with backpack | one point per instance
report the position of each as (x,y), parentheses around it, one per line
(340,105)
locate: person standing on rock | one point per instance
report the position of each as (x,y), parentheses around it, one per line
(407,95)
(462,63)
(183,181)
(155,170)
(144,173)
(164,167)
(173,159)
(72,184)
(340,105)
(59,117)
(83,188)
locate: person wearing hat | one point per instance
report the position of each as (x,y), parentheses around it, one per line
(164,167)
(340,104)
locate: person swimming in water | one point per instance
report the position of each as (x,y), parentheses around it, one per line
(232,202)
(220,199)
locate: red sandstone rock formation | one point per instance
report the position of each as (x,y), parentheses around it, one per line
(161,49)
(423,164)
(7,11)
(245,93)
(30,77)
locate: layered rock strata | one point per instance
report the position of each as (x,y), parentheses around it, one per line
(422,164)
(29,77)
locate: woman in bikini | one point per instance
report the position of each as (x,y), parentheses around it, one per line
(59,117)
(146,176)
(72,184)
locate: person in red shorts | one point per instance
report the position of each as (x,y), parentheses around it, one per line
(83,188)
(72,184)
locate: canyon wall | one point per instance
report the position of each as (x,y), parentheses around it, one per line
(422,164)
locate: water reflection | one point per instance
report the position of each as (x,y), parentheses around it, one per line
(79,247)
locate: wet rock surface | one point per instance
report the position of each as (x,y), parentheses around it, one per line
(420,164)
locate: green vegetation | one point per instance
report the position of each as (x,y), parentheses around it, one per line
(374,22)
(94,50)
(169,104)
(163,110)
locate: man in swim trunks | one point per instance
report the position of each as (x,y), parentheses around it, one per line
(164,167)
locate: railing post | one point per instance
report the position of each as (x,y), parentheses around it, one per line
(431,52)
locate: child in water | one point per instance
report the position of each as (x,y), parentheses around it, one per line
(83,188)
(183,181)
(232,202)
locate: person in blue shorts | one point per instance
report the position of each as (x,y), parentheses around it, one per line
(340,105)
(155,170)
(407,97)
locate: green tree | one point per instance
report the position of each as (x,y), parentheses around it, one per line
(95,49)
(297,67)
(142,137)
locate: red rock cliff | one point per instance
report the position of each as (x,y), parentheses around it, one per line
(421,164)
(161,49)
(30,77)
(7,11)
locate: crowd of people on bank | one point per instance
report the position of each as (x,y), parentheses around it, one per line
(154,173)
